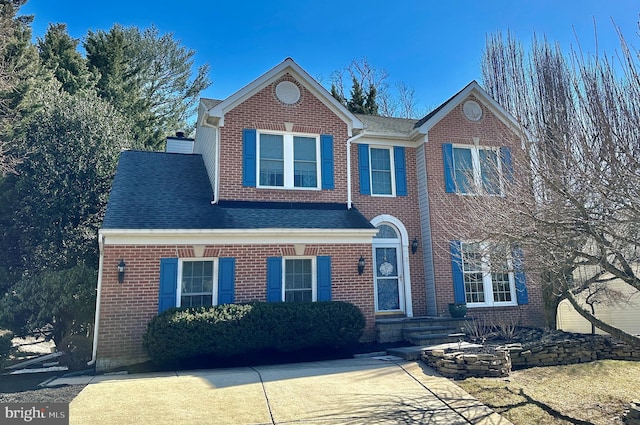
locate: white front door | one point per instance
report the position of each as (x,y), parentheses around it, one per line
(387,257)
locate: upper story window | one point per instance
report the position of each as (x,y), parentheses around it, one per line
(381,176)
(476,169)
(288,161)
(382,170)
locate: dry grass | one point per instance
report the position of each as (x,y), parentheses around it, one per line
(589,393)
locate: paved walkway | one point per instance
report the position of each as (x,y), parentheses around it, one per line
(352,391)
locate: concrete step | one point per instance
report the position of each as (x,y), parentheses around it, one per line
(428,330)
(433,339)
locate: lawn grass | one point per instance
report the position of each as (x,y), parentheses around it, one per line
(587,393)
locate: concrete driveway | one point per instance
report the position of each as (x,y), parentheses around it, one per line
(352,391)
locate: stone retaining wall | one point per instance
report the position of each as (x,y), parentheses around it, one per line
(632,416)
(576,349)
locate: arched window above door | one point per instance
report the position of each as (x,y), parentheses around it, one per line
(386,232)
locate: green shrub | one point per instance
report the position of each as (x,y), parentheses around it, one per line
(5,346)
(237,329)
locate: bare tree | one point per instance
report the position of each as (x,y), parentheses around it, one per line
(573,200)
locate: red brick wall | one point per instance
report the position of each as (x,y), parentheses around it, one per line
(456,128)
(127,308)
(405,209)
(263,111)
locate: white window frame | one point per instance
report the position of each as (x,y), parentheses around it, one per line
(487,281)
(289,160)
(392,169)
(314,276)
(181,261)
(477,171)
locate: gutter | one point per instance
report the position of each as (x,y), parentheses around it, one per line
(96,324)
(349,141)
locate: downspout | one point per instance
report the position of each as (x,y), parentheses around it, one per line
(96,324)
(216,189)
(349,141)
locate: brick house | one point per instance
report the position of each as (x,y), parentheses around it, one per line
(284,195)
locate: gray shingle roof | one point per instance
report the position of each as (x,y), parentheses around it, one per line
(155,190)
(387,125)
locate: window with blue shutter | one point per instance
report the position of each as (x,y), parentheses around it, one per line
(168,284)
(326,156)
(324,278)
(401,170)
(363,168)
(226,280)
(249,157)
(456,269)
(274,279)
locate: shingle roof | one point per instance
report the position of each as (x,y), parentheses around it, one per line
(387,125)
(155,190)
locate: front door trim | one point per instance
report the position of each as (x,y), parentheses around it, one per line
(404,243)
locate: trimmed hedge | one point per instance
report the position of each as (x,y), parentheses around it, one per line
(236,329)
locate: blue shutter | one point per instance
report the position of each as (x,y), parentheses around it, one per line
(324,278)
(507,166)
(226,280)
(401,171)
(249,157)
(274,279)
(449,170)
(520,277)
(456,269)
(168,284)
(363,166)
(326,155)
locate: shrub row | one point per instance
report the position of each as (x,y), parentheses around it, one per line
(235,329)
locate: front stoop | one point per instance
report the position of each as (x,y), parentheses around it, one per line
(421,330)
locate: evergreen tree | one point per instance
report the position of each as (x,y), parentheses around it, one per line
(148,78)
(371,105)
(337,95)
(356,103)
(58,53)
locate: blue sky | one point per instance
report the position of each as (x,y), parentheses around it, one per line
(433,47)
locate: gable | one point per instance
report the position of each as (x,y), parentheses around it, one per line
(292,85)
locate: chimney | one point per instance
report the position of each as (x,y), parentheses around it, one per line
(179,144)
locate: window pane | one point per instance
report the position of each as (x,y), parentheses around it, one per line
(298,281)
(197,284)
(271,160)
(463,169)
(501,287)
(489,171)
(386,232)
(305,169)
(380,171)
(472,272)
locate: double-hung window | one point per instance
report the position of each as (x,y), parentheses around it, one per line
(288,161)
(382,178)
(488,280)
(476,169)
(299,280)
(382,170)
(197,285)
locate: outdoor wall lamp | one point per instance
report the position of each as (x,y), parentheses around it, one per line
(121,267)
(361,265)
(414,246)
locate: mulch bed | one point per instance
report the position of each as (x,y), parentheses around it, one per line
(24,388)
